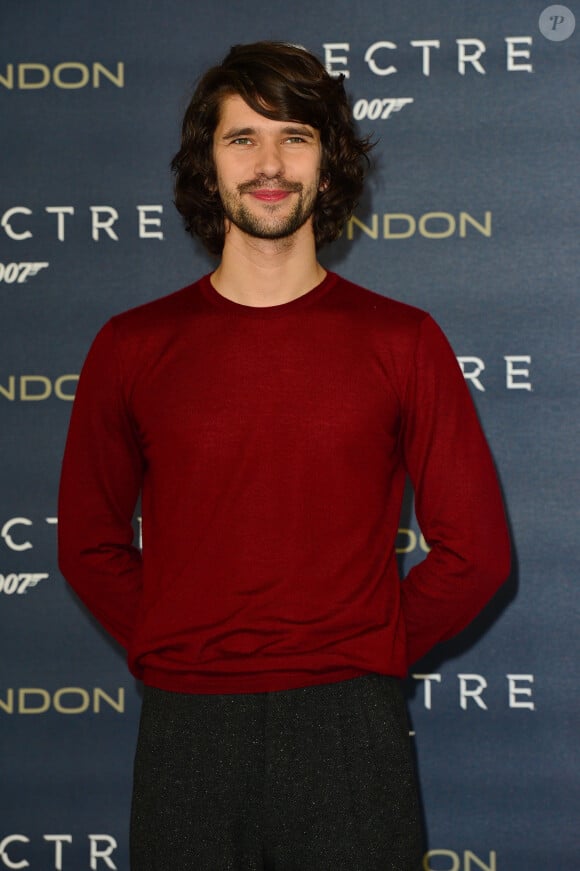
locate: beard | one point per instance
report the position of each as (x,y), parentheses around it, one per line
(271,225)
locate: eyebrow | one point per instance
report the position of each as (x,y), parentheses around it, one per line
(291,130)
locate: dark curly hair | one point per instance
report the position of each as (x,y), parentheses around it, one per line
(285,83)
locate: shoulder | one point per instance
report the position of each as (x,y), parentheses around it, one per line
(394,326)
(404,338)
(382,308)
(158,315)
(136,337)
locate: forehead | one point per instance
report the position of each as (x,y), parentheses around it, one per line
(235,113)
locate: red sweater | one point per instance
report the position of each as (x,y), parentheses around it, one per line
(270,446)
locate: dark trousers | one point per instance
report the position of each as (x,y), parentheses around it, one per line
(312,779)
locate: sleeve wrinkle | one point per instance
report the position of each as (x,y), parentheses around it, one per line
(100,483)
(124,394)
(458,502)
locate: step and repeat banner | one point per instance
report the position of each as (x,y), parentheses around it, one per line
(470,213)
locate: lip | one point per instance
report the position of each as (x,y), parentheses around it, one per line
(271,196)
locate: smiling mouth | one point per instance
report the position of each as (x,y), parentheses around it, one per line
(270,196)
(270,190)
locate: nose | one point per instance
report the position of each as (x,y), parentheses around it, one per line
(269,162)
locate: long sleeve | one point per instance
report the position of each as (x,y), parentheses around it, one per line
(100,483)
(457,499)
(270,447)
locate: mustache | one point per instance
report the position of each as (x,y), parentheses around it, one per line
(248,187)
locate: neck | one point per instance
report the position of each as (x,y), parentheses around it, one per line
(267,272)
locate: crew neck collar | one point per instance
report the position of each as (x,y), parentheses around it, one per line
(270,311)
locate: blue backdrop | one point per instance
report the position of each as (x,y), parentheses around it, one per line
(470,213)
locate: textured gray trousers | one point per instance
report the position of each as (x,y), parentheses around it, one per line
(312,779)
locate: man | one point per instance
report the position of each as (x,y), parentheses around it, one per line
(269,414)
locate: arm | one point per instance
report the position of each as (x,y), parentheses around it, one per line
(100,483)
(457,499)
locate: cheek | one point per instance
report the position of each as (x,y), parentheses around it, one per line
(232,174)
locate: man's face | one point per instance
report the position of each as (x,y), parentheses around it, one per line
(268,172)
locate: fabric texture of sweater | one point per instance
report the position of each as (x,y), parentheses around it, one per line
(270,447)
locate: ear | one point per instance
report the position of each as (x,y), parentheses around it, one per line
(323,183)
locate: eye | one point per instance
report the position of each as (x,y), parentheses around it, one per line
(293,140)
(241,140)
